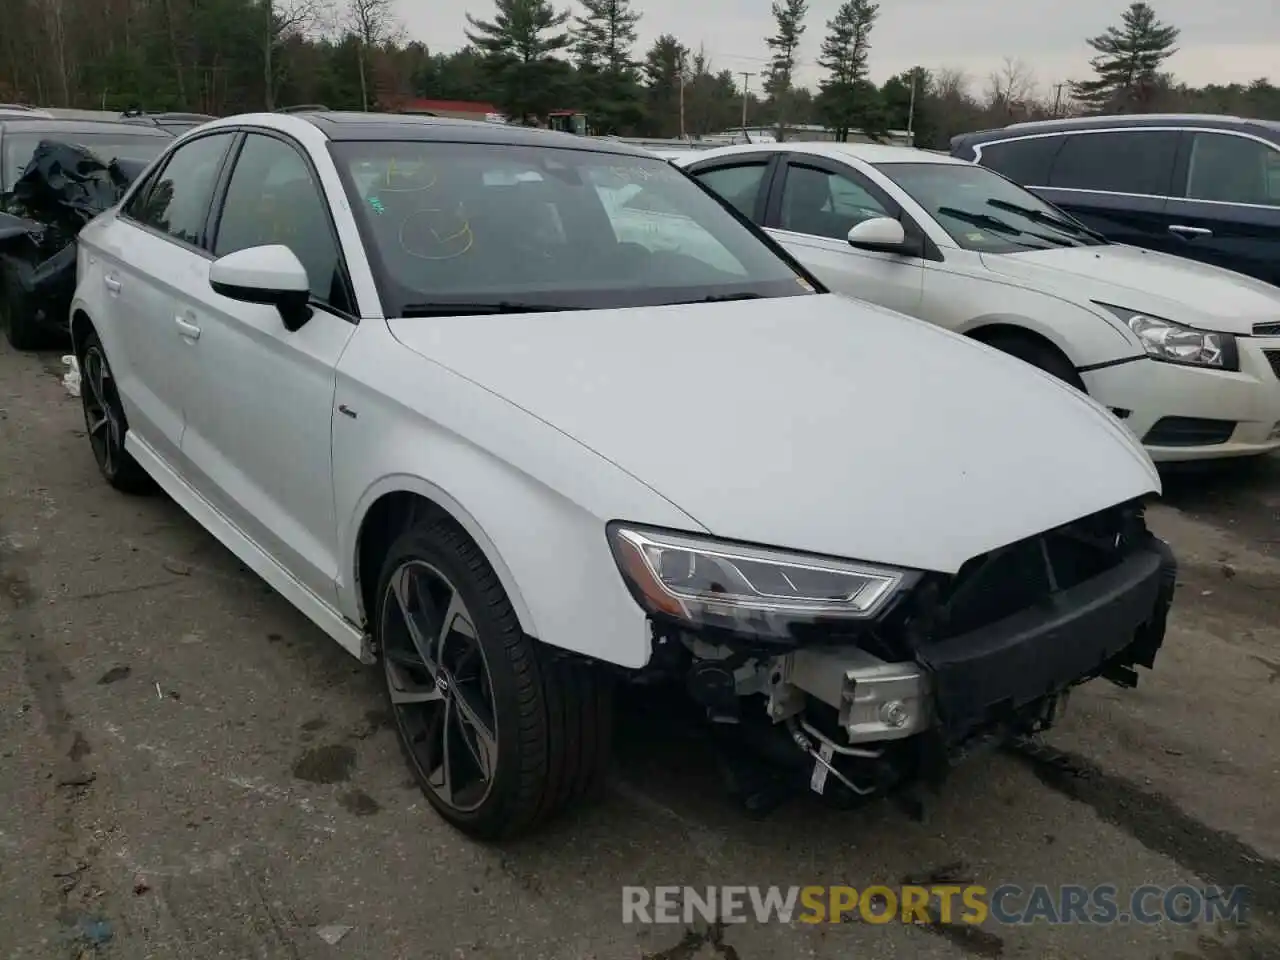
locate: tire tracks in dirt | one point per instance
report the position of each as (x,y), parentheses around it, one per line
(69,892)
(1162,827)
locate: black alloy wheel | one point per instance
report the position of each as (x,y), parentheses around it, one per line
(104,421)
(438,681)
(501,732)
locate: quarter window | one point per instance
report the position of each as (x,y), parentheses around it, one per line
(740,185)
(826,204)
(1232,169)
(272,198)
(177,201)
(1119,161)
(1023,161)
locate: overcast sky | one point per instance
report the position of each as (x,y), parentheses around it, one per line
(1223,41)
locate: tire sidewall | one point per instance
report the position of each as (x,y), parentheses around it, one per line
(1041,358)
(93,343)
(419,544)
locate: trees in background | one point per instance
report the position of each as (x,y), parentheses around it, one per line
(789,17)
(529,57)
(665,67)
(848,100)
(519,48)
(609,79)
(372,25)
(1127,66)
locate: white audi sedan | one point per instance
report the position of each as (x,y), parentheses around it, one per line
(455,393)
(1186,354)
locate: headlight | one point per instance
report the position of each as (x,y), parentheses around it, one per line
(712,583)
(1176,343)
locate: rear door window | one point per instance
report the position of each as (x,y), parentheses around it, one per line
(1023,161)
(1117,161)
(176,202)
(1230,169)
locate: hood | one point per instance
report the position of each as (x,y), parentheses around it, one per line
(815,423)
(1175,288)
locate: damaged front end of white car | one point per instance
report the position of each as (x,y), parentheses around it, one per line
(856,680)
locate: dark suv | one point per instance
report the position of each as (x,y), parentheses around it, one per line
(1195,185)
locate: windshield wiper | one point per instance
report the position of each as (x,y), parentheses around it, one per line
(480,308)
(1001,226)
(723,298)
(1048,219)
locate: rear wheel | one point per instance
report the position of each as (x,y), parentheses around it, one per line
(1038,354)
(105,423)
(501,734)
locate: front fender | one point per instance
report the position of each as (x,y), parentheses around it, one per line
(408,483)
(534,500)
(1085,338)
(965,297)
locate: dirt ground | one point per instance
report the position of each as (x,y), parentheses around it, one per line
(189,770)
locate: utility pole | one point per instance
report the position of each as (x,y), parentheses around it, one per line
(1057,100)
(746,82)
(682,101)
(911,111)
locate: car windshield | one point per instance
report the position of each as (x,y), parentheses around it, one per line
(513,227)
(982,211)
(19,148)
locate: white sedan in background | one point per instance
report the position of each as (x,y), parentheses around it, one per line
(1186,355)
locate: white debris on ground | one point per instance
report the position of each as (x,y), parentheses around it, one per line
(333,933)
(71,379)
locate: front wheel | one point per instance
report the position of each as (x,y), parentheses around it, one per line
(1038,354)
(499,732)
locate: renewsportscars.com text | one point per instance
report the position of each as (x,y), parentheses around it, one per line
(948,904)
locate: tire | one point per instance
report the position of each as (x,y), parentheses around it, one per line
(1039,355)
(20,329)
(539,723)
(105,423)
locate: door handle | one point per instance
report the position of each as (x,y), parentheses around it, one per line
(187,328)
(112,284)
(1188,232)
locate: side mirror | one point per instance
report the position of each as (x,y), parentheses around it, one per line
(879,233)
(271,275)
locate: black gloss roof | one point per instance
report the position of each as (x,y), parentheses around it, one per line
(342,126)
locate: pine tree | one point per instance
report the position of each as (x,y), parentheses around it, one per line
(847,99)
(519,46)
(664,64)
(1129,58)
(789,16)
(602,40)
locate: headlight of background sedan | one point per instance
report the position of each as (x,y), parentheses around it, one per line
(711,583)
(1176,343)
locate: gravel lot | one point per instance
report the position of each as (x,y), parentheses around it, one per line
(188,769)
